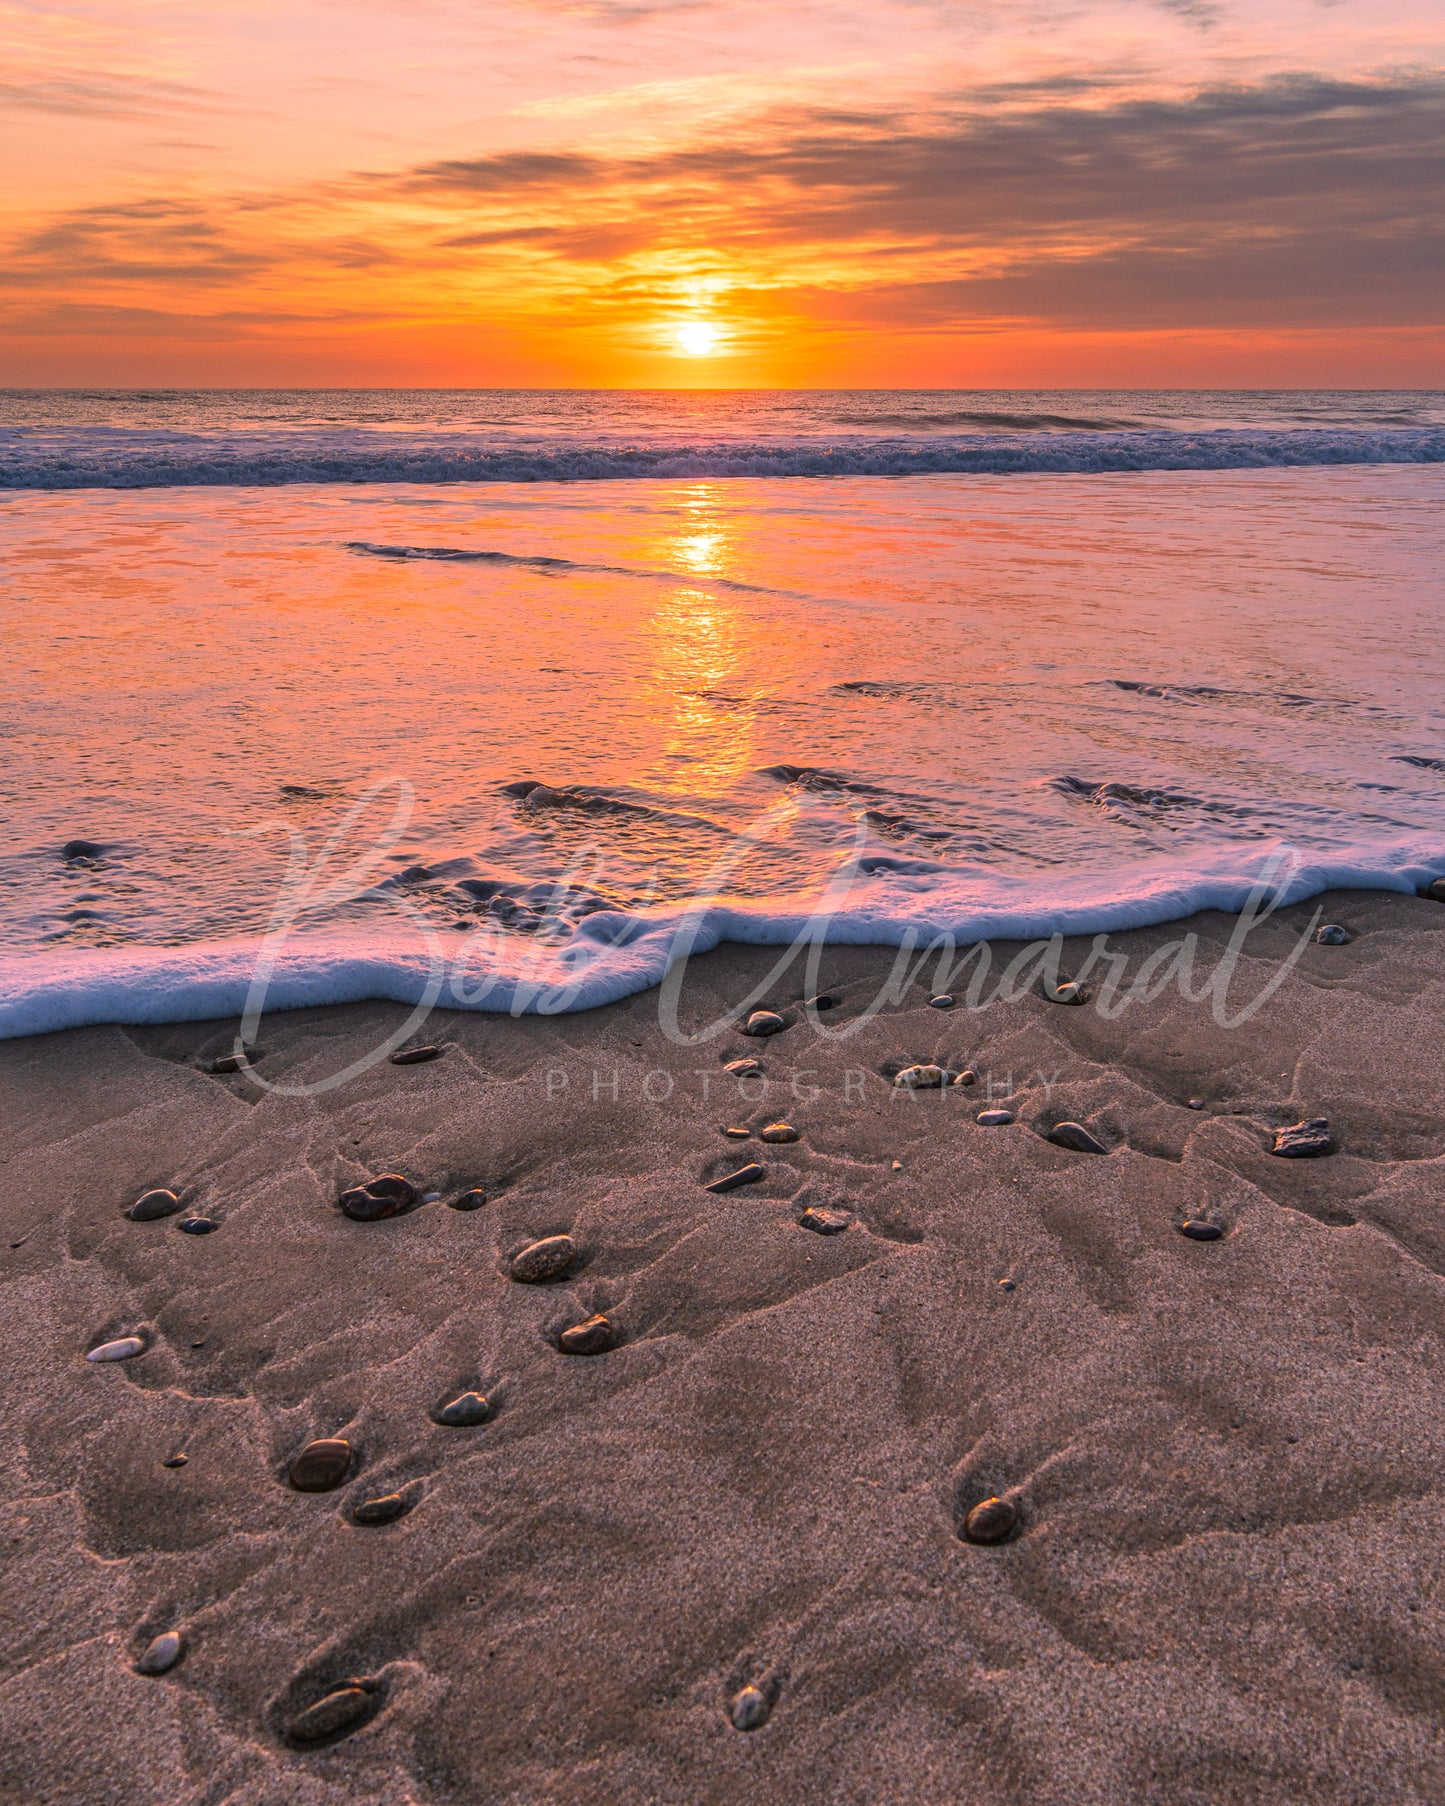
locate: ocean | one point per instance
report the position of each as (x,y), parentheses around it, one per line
(503,698)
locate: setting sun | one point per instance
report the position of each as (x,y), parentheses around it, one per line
(698,338)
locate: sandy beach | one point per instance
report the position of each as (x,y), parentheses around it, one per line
(1221,1580)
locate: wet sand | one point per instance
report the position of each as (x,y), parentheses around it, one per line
(1225,1456)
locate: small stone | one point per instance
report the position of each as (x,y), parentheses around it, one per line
(540,1261)
(1068,992)
(993,1119)
(942,1002)
(174,1461)
(898,1166)
(743,1069)
(823,1221)
(321,1465)
(593,1337)
(338,1711)
(150,1206)
(197,1225)
(1196,1103)
(470,1200)
(381,1197)
(466,1412)
(967,1077)
(1008,1285)
(823,1001)
(1304,1140)
(1333,935)
(991,1521)
(415,1056)
(921,1078)
(748,1709)
(779,1131)
(1435,891)
(764,1022)
(236,1062)
(124,1348)
(1199,1231)
(161,1654)
(737,1134)
(1074,1135)
(745,1175)
(385,1510)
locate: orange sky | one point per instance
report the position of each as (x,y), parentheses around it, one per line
(910,192)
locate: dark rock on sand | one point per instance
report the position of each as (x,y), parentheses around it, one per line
(1304,1140)
(341,1710)
(1198,1230)
(175,1461)
(823,1001)
(381,1197)
(967,1077)
(197,1225)
(779,1132)
(823,1221)
(1435,891)
(1332,935)
(737,1134)
(151,1206)
(470,1200)
(385,1510)
(596,1336)
(743,1069)
(540,1261)
(749,1709)
(942,1002)
(124,1348)
(1068,992)
(1196,1103)
(745,1175)
(321,1465)
(991,1521)
(161,1654)
(1074,1135)
(415,1056)
(236,1062)
(995,1119)
(465,1412)
(764,1022)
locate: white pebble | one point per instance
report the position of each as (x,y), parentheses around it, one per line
(120,1350)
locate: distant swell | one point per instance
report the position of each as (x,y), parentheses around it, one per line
(1017,423)
(124,458)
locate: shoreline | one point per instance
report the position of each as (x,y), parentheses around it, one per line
(1224,1583)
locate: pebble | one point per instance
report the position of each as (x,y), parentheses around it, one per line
(779,1131)
(967,1077)
(381,1197)
(415,1056)
(385,1510)
(898,1166)
(942,1002)
(993,1119)
(1435,891)
(197,1225)
(175,1461)
(1074,1135)
(321,1465)
(1008,1285)
(745,1175)
(150,1206)
(737,1134)
(1333,935)
(539,1261)
(921,1078)
(124,1348)
(764,1022)
(593,1337)
(1067,993)
(743,1069)
(236,1062)
(991,1521)
(470,1200)
(339,1710)
(1196,1103)
(748,1709)
(1199,1231)
(466,1412)
(823,1001)
(1302,1140)
(823,1221)
(161,1654)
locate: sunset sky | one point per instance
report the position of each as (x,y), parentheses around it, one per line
(723,192)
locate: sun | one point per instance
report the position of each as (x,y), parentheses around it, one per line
(698,338)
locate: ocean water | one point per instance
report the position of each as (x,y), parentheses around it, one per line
(330,687)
